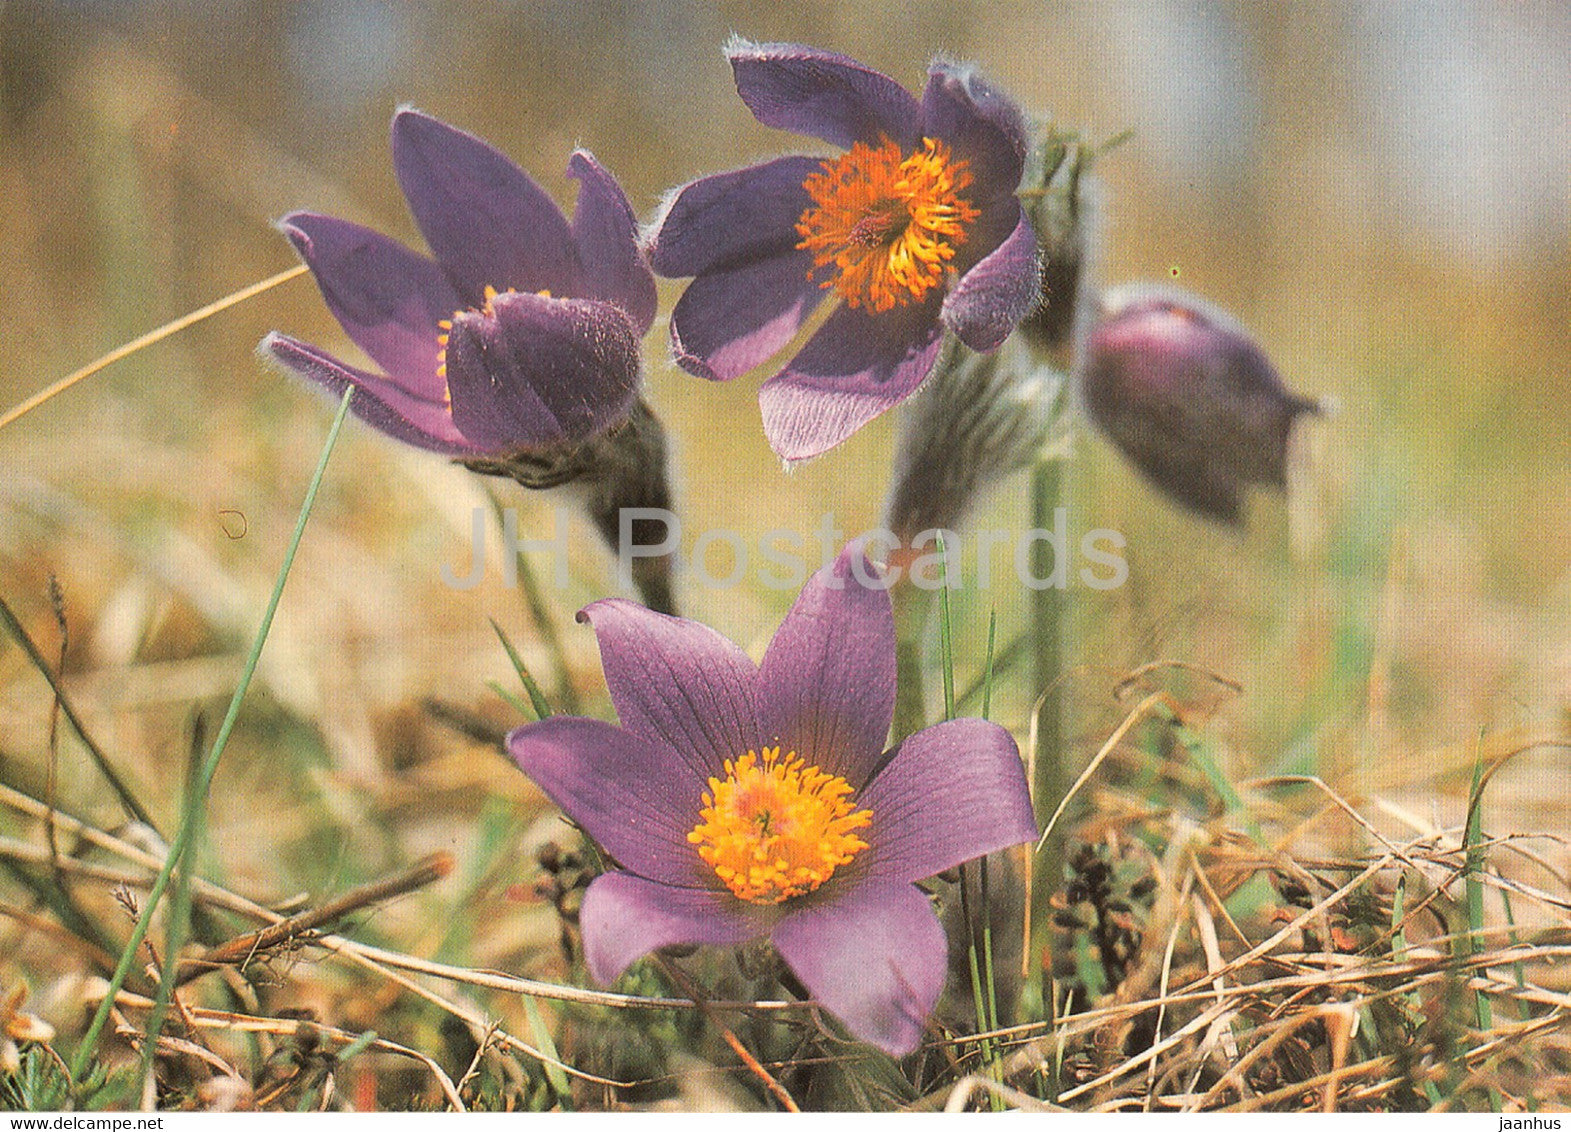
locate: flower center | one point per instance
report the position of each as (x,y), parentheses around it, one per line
(775,827)
(886,225)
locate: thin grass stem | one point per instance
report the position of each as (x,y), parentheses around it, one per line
(152,336)
(178,922)
(537,700)
(540,614)
(177,849)
(128,801)
(1049,778)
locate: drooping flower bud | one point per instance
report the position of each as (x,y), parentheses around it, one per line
(1189,397)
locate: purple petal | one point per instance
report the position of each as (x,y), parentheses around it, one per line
(948,794)
(637,797)
(625,917)
(827,684)
(540,370)
(874,956)
(1189,396)
(855,367)
(486,220)
(990,300)
(981,126)
(823,95)
(606,234)
(387,298)
(677,682)
(730,320)
(732,218)
(377,401)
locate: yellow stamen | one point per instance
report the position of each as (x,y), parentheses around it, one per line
(775,827)
(886,225)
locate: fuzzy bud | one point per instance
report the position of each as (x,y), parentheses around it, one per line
(1189,397)
(978,418)
(1055,191)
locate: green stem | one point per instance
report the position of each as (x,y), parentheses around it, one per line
(910,617)
(178,924)
(1472,942)
(84,1052)
(976,963)
(1049,610)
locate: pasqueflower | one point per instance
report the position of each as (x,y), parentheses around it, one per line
(743,802)
(1189,396)
(520,332)
(915,229)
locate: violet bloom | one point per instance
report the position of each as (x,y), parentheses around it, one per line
(744,802)
(915,229)
(522,333)
(1189,398)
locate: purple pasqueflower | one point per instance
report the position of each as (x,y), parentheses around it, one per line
(522,333)
(1189,397)
(743,802)
(916,229)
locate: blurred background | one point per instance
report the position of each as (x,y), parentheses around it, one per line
(1381,192)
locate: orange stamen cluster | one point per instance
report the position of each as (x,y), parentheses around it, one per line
(886,224)
(775,827)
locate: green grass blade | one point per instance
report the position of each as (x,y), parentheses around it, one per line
(987,667)
(946,639)
(512,700)
(1003,661)
(540,614)
(1474,858)
(178,925)
(542,706)
(1474,864)
(547,1044)
(89,1043)
(1202,753)
(133,808)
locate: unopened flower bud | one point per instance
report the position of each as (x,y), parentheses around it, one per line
(1056,194)
(980,417)
(1189,397)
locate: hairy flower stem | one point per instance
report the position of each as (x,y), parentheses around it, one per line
(911,605)
(623,469)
